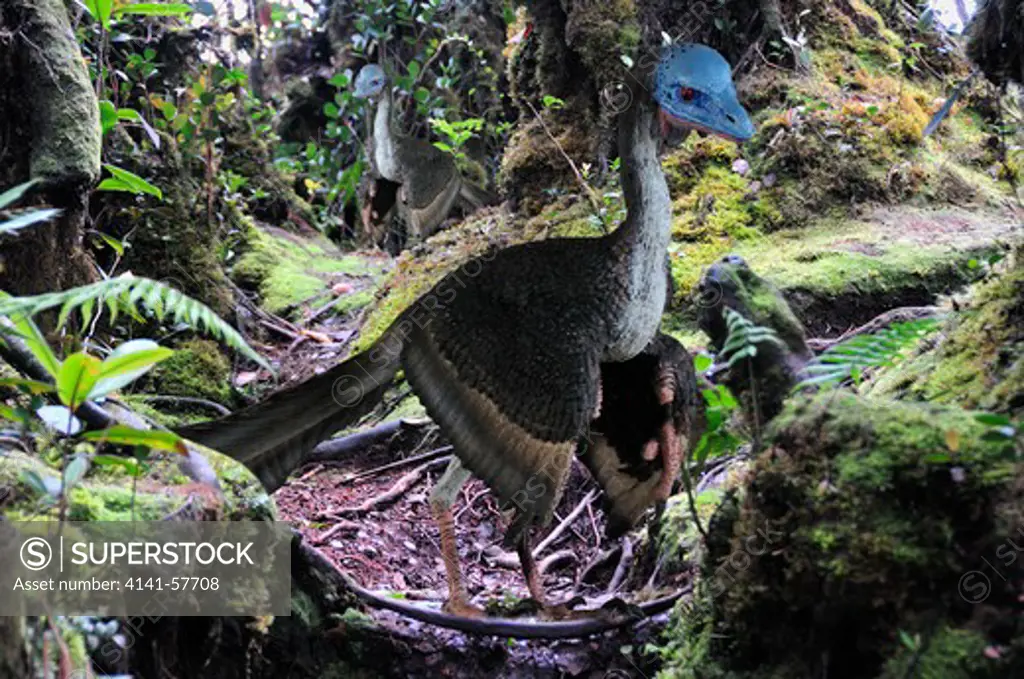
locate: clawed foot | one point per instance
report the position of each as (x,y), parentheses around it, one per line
(566,610)
(462,608)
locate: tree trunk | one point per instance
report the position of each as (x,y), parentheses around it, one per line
(13,658)
(52,134)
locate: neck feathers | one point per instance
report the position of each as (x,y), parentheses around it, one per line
(649,219)
(385,155)
(638,246)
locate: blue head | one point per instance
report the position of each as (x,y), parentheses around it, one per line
(694,89)
(370,82)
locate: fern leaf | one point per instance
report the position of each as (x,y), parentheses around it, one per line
(129,294)
(843,361)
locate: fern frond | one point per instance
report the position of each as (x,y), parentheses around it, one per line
(848,359)
(132,295)
(744,337)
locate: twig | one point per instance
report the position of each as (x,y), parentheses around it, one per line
(511,560)
(595,202)
(335,529)
(400,488)
(625,563)
(469,503)
(898,315)
(593,526)
(278,329)
(560,528)
(188,400)
(559,556)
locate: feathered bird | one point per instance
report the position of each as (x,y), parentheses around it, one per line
(429,182)
(995,43)
(506,352)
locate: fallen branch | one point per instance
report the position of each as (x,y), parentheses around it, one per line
(554,559)
(388,497)
(335,529)
(342,448)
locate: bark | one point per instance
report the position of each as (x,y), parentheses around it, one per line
(13,658)
(52,133)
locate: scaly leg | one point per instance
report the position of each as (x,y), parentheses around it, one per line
(441,500)
(530,572)
(536,586)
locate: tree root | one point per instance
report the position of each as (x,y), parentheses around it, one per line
(501,627)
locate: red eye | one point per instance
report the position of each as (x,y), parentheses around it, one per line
(687,93)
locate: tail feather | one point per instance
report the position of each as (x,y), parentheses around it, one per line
(273,437)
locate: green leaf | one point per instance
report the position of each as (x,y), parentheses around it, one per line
(414,69)
(126,364)
(127,293)
(26,329)
(27,219)
(43,485)
(116,245)
(110,184)
(702,363)
(331,110)
(77,377)
(14,194)
(992,419)
(100,11)
(128,436)
(75,471)
(27,386)
(129,464)
(133,182)
(157,9)
(108,116)
(999,434)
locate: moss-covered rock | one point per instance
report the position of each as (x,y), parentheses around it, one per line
(979,361)
(197,368)
(107,493)
(866,525)
(288,269)
(764,380)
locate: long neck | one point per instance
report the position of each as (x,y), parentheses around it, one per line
(637,248)
(385,153)
(646,230)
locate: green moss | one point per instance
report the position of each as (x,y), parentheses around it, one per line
(197,368)
(65,114)
(287,269)
(980,363)
(950,654)
(858,521)
(106,493)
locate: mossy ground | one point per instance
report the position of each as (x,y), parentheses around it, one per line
(106,493)
(857,523)
(288,270)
